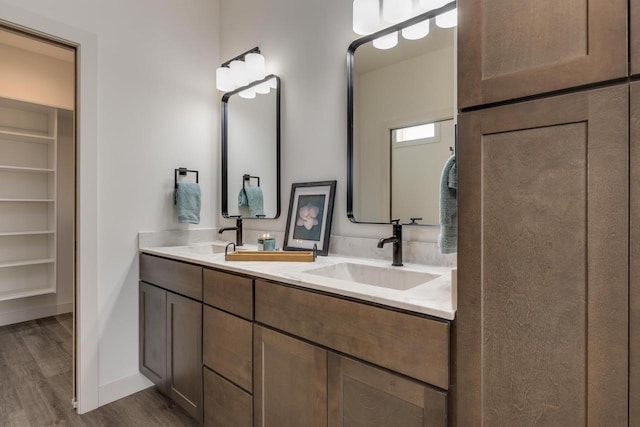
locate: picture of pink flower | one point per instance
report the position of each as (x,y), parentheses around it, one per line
(308,216)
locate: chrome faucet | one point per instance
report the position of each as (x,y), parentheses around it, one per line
(396,239)
(238,229)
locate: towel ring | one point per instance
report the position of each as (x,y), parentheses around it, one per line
(246,177)
(183,172)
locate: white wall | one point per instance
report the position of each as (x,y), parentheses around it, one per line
(305,43)
(157,110)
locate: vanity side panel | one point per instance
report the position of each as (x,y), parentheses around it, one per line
(542,314)
(412,345)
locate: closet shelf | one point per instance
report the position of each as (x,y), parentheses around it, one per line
(21,169)
(26,233)
(7,264)
(28,200)
(9,295)
(26,137)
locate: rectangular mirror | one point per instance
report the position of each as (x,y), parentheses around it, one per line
(251,150)
(401,116)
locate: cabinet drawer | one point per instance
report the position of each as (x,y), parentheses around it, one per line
(227,346)
(229,292)
(178,277)
(224,403)
(412,345)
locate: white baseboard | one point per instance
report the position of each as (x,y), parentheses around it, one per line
(34,313)
(123,387)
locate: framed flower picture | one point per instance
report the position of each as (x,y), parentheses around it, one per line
(310,214)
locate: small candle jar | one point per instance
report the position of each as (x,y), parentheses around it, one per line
(267,242)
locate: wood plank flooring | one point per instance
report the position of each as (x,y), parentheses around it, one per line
(35,384)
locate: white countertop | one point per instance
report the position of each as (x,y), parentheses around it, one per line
(433,298)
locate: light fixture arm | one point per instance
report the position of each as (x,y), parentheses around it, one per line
(241,56)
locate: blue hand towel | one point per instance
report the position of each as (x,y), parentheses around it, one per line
(253,199)
(187,199)
(448,238)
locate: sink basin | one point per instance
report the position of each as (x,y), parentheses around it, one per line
(390,278)
(211,249)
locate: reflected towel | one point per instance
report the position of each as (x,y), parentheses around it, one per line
(448,238)
(187,199)
(253,199)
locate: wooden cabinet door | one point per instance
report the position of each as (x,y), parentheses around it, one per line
(634,36)
(363,396)
(513,49)
(225,404)
(153,334)
(184,353)
(542,317)
(634,247)
(290,381)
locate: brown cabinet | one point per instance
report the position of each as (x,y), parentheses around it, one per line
(542,321)
(363,396)
(290,381)
(412,345)
(634,247)
(171,330)
(228,346)
(513,49)
(153,334)
(226,405)
(634,36)
(184,353)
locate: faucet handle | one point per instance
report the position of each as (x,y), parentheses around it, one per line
(395,221)
(414,221)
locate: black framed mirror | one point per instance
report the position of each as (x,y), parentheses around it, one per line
(401,116)
(251,150)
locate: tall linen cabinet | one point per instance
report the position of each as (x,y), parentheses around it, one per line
(549,214)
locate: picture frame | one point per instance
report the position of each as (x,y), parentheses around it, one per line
(310,216)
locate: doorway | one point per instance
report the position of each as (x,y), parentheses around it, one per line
(38,176)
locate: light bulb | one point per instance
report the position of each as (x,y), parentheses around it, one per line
(447,19)
(395,11)
(416,31)
(239,73)
(255,66)
(366,16)
(224,82)
(263,88)
(432,4)
(386,42)
(247,93)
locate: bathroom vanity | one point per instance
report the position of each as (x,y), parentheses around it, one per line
(294,344)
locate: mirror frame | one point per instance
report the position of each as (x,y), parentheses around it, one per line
(350,98)
(225,145)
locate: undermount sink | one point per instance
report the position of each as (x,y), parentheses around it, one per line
(209,249)
(390,278)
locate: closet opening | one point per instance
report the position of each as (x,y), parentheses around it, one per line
(38,205)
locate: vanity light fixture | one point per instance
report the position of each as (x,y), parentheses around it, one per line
(366,16)
(386,42)
(240,71)
(370,16)
(447,19)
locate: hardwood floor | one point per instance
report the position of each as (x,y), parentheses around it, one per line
(35,384)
